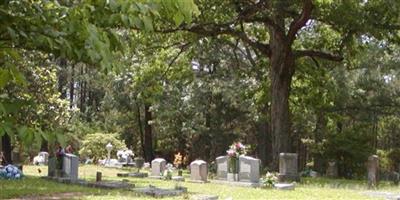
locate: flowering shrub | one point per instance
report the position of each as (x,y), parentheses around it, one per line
(178,161)
(270,179)
(10,172)
(236,149)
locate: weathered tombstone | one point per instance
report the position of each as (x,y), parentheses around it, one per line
(158,167)
(373,169)
(198,171)
(249,169)
(332,170)
(222,167)
(70,166)
(98,176)
(51,167)
(288,170)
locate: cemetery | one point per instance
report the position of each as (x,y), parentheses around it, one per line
(200,99)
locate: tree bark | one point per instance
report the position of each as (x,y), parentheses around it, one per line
(6,148)
(282,63)
(72,87)
(148,134)
(62,78)
(320,129)
(141,135)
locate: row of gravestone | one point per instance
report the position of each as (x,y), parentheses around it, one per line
(198,169)
(249,168)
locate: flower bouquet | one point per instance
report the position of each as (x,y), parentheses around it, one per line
(234,151)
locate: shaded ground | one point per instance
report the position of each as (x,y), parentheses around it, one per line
(56,196)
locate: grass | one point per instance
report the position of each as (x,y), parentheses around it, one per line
(316,188)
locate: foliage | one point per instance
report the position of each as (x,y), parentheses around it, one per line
(94,145)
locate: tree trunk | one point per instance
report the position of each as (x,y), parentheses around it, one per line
(320,129)
(62,78)
(148,135)
(141,135)
(281,72)
(6,148)
(72,87)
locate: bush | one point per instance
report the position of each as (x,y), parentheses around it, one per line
(94,146)
(394,157)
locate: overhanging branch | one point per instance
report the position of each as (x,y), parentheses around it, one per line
(318,54)
(301,21)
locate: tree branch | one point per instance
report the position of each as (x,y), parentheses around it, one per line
(318,54)
(301,21)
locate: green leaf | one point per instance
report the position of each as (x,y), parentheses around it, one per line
(178,18)
(148,23)
(4,78)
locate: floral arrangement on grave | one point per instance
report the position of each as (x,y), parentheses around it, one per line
(270,179)
(168,172)
(234,151)
(178,161)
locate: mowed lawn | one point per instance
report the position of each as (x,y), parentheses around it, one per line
(321,188)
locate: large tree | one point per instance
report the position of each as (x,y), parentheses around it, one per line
(287,30)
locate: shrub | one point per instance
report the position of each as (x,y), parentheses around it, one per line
(94,145)
(394,157)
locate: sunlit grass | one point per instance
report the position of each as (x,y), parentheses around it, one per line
(310,188)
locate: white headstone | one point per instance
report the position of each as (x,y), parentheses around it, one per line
(198,171)
(70,166)
(158,166)
(249,169)
(222,167)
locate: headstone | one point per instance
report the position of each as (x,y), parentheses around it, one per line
(70,166)
(395,177)
(98,176)
(373,169)
(158,167)
(288,171)
(51,167)
(249,169)
(203,197)
(198,171)
(222,167)
(332,170)
(284,186)
(178,178)
(159,192)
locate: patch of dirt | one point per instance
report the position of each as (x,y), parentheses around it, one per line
(56,196)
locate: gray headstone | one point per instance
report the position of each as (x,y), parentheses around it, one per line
(70,166)
(332,170)
(249,169)
(288,170)
(373,169)
(198,171)
(158,166)
(284,186)
(51,167)
(222,167)
(203,197)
